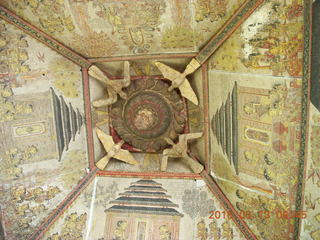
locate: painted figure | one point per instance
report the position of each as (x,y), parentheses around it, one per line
(227,231)
(214,231)
(165,234)
(202,231)
(120,231)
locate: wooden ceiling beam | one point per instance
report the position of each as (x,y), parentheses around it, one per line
(143,57)
(151,175)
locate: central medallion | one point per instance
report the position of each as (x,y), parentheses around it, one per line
(148,115)
(145,119)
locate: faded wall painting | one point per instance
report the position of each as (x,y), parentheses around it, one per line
(269,42)
(310,226)
(42,147)
(255,145)
(124,219)
(172,120)
(256,118)
(133,208)
(73,223)
(104,28)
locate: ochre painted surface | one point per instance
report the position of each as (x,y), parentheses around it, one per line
(193,202)
(104,28)
(36,173)
(269,42)
(255,95)
(253,99)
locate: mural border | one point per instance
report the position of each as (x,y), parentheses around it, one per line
(304,114)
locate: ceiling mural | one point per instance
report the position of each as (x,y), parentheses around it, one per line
(42,149)
(99,205)
(255,97)
(105,28)
(269,42)
(174,119)
(312,200)
(261,148)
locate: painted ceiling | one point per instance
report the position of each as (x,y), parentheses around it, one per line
(249,162)
(98,28)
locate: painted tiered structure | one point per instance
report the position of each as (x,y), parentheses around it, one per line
(225,127)
(49,126)
(68,122)
(143,211)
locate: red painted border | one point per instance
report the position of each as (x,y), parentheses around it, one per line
(60,209)
(87,103)
(205,88)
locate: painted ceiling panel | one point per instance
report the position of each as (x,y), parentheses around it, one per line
(42,151)
(269,42)
(310,224)
(241,162)
(98,28)
(91,212)
(252,113)
(148,161)
(255,92)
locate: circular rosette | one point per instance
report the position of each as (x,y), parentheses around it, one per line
(148,115)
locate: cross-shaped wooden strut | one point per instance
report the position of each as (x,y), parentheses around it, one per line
(179,80)
(114,87)
(113,151)
(180,150)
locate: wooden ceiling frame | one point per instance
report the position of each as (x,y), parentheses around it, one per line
(143,57)
(202,56)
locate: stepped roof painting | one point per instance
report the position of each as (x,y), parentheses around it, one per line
(144,209)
